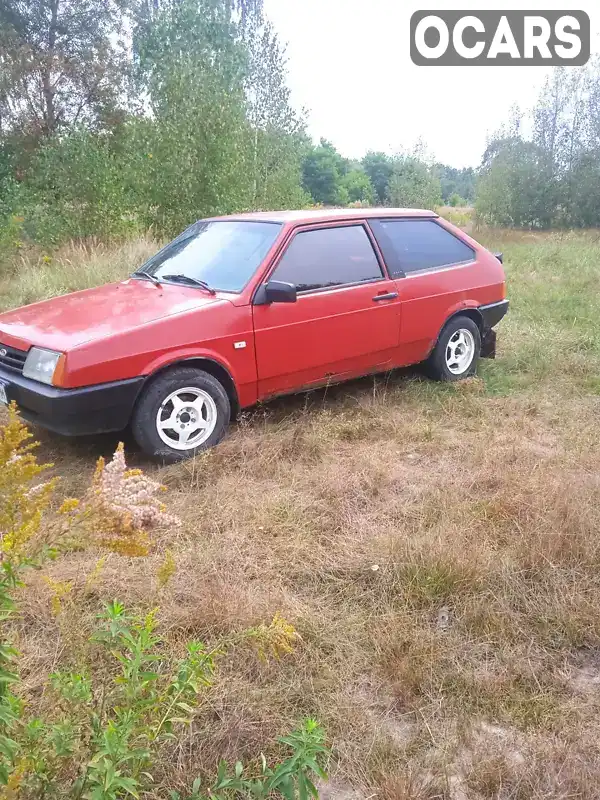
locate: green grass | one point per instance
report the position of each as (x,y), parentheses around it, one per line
(553,332)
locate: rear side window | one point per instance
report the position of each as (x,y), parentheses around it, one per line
(328,257)
(411,245)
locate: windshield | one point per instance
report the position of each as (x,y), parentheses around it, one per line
(223,254)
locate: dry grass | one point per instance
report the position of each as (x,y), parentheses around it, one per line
(37,276)
(463,216)
(435,546)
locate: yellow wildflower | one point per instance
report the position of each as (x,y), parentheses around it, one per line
(22,503)
(276,639)
(60,591)
(94,576)
(68,505)
(167,569)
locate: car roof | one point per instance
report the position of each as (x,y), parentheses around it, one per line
(328,214)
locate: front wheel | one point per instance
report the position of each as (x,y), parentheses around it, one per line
(457,351)
(180,413)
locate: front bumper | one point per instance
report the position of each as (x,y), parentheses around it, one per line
(73,412)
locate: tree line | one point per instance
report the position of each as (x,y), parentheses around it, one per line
(401,180)
(542,170)
(124,115)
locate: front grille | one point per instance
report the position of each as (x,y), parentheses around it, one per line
(11,358)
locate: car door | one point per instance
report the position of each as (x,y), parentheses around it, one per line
(345,321)
(434,272)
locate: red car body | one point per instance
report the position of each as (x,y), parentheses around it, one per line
(116,338)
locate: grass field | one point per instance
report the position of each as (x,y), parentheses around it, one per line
(436,547)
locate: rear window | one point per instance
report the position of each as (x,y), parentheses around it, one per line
(412,245)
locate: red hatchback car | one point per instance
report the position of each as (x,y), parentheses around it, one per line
(239,309)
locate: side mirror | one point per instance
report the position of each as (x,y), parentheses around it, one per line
(500,257)
(275,292)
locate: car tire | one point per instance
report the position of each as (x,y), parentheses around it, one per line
(180,413)
(456,352)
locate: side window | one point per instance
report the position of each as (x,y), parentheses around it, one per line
(328,257)
(410,245)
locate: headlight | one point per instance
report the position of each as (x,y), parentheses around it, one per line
(41,364)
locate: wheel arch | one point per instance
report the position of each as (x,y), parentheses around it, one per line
(472,312)
(210,365)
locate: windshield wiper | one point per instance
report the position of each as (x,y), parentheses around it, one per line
(188,279)
(140,273)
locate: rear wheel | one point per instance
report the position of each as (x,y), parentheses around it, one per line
(457,351)
(182,412)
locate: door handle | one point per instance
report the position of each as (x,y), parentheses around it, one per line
(386,296)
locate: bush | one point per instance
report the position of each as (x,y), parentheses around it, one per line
(414,184)
(359,188)
(77,186)
(456,200)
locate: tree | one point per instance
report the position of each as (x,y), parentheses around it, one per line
(456,181)
(414,184)
(359,187)
(455,200)
(322,173)
(225,133)
(549,179)
(213,131)
(62,62)
(592,106)
(513,188)
(585,191)
(379,168)
(277,138)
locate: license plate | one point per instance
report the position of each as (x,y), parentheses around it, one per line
(3,397)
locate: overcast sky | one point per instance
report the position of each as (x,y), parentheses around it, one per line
(349,66)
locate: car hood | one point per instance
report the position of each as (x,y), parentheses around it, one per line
(63,323)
